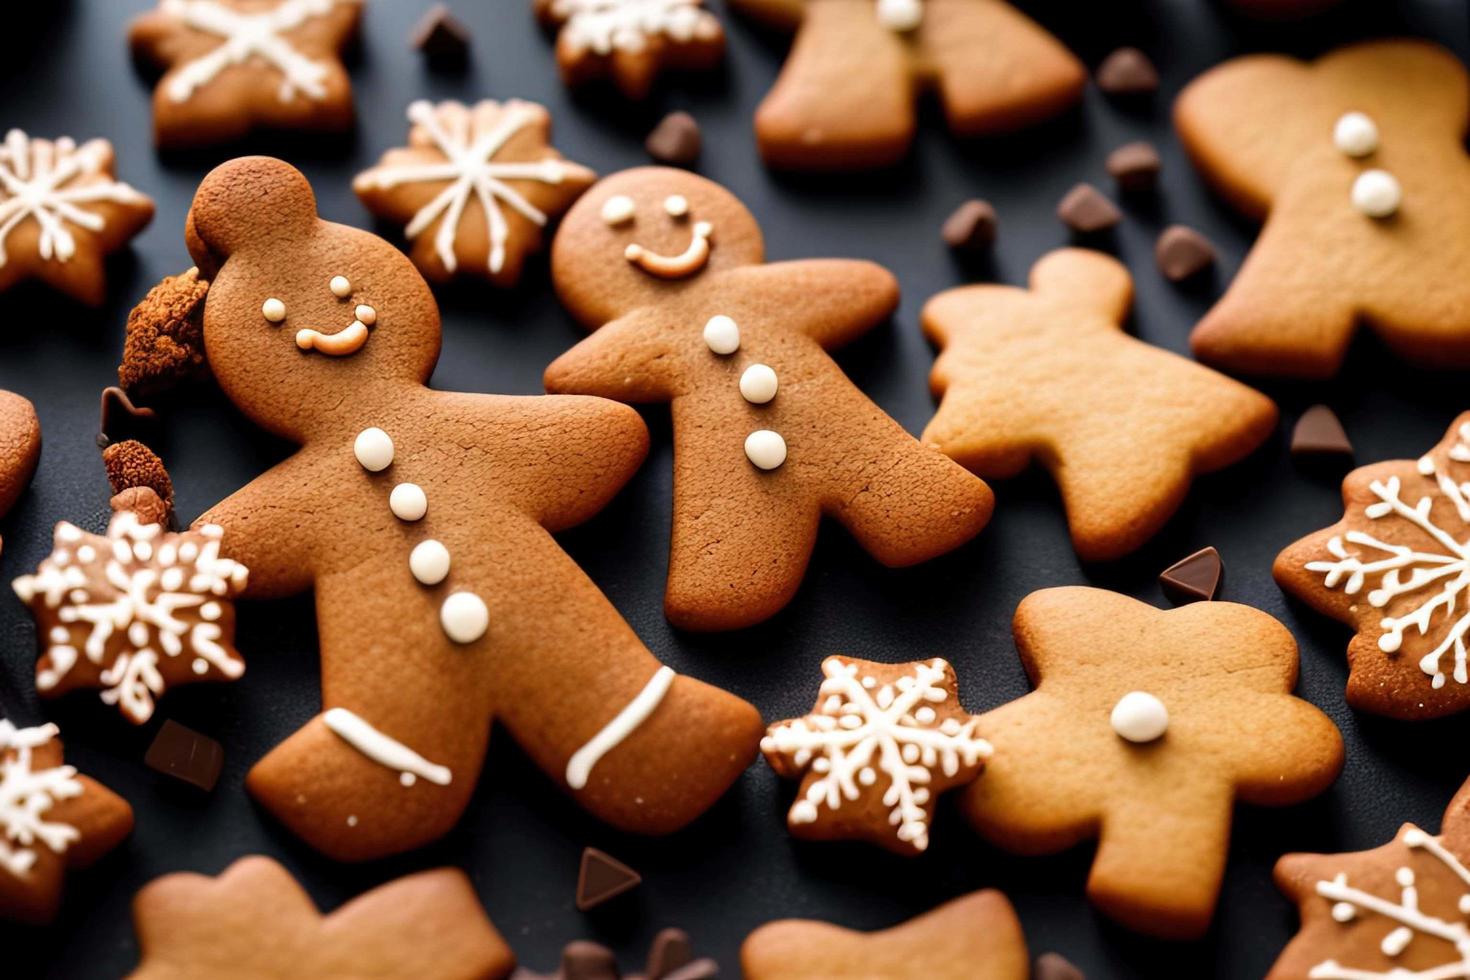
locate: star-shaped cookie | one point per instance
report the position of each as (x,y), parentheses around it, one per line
(1144,729)
(631,41)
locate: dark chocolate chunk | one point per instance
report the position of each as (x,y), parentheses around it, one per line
(971,227)
(676,141)
(120,418)
(442,38)
(1182,253)
(1085,210)
(671,949)
(1318,433)
(1055,966)
(585,960)
(602,878)
(1127,71)
(1135,166)
(1194,578)
(186,755)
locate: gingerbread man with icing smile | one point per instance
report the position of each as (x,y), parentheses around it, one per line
(422,519)
(769,434)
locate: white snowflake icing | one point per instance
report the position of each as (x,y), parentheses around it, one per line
(26,794)
(603,26)
(1348,903)
(38,179)
(1439,578)
(472,169)
(862,729)
(157,590)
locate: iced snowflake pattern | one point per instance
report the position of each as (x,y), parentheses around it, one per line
(26,794)
(605,26)
(862,729)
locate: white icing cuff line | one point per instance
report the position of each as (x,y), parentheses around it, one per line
(579,767)
(384,750)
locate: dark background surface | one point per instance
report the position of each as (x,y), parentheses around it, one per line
(65,69)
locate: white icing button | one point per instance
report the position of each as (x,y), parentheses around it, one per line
(722,335)
(1140,717)
(429,562)
(408,502)
(766,449)
(618,209)
(464,617)
(758,384)
(373,449)
(341,287)
(273,310)
(677,205)
(900,15)
(1377,194)
(1355,134)
(366,315)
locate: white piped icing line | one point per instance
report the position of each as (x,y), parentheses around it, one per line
(246,36)
(26,794)
(900,15)
(681,266)
(345,342)
(36,179)
(471,169)
(605,26)
(625,723)
(383,750)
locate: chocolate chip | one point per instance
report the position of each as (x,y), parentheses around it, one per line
(601,878)
(442,38)
(1127,71)
(186,755)
(971,227)
(1319,434)
(1135,166)
(584,960)
(1194,578)
(1085,210)
(1183,252)
(671,949)
(1054,966)
(675,141)
(120,418)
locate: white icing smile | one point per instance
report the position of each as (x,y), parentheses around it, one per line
(345,342)
(687,263)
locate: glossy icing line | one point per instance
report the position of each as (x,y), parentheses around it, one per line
(580,766)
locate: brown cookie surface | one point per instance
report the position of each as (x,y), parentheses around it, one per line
(20,447)
(631,42)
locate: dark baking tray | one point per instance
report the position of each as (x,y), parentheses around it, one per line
(65,68)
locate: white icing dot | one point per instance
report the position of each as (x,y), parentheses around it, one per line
(677,205)
(722,335)
(210,611)
(341,287)
(910,753)
(925,715)
(1377,193)
(138,634)
(429,562)
(900,15)
(201,666)
(408,502)
(766,449)
(803,811)
(374,449)
(464,617)
(618,209)
(59,634)
(366,314)
(273,310)
(86,553)
(758,384)
(1426,467)
(1355,134)
(1140,717)
(867,776)
(1343,912)
(407,778)
(352,820)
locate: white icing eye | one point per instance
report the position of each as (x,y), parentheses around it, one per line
(1355,134)
(758,384)
(765,449)
(366,315)
(1377,193)
(677,205)
(373,449)
(722,335)
(273,310)
(618,209)
(341,287)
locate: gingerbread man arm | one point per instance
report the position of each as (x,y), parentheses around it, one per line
(832,301)
(632,359)
(270,530)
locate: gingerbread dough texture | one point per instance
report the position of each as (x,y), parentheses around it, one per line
(974,937)
(233,66)
(668,270)
(1048,374)
(422,520)
(1144,729)
(20,447)
(846,97)
(1396,568)
(631,42)
(255,921)
(1357,165)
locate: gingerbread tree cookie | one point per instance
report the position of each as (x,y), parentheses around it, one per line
(1357,163)
(1144,729)
(769,434)
(254,920)
(1397,569)
(20,447)
(846,97)
(631,41)
(423,520)
(61,212)
(52,819)
(1048,374)
(231,66)
(1397,912)
(475,187)
(974,937)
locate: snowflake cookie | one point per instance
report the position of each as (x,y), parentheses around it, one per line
(882,743)
(1397,569)
(136,610)
(51,819)
(631,41)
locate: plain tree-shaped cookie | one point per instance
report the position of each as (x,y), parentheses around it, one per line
(1264,129)
(769,434)
(254,920)
(422,519)
(846,96)
(1049,374)
(1144,728)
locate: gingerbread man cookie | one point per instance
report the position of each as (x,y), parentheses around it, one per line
(61,212)
(254,920)
(846,97)
(1048,374)
(1357,163)
(423,519)
(1397,569)
(231,66)
(1143,730)
(475,187)
(631,41)
(52,819)
(769,434)
(20,447)
(974,937)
